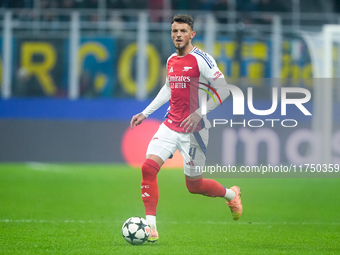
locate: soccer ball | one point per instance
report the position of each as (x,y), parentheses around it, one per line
(136,230)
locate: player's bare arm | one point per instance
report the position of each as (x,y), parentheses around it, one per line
(136,120)
(190,123)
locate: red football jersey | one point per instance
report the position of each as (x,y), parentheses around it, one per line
(186,74)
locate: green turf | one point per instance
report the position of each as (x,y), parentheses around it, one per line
(79,209)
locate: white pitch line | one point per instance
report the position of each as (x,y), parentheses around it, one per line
(49,221)
(47,167)
(253,223)
(171,222)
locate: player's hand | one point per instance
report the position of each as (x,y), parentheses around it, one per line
(136,120)
(190,123)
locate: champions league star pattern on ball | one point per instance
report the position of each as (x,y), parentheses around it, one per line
(136,230)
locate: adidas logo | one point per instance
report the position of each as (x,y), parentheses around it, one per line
(190,163)
(171,69)
(145,194)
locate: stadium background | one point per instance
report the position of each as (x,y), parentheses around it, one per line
(71,75)
(41,120)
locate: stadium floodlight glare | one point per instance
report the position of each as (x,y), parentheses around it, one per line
(325,71)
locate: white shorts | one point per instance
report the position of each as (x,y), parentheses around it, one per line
(192,146)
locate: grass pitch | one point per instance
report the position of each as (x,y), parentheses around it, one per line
(80,209)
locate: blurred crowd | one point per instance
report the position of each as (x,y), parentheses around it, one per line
(241,5)
(215,6)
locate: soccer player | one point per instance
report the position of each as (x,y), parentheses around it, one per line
(184,127)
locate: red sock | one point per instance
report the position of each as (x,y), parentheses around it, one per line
(149,186)
(206,187)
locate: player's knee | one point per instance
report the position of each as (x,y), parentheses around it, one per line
(194,186)
(150,169)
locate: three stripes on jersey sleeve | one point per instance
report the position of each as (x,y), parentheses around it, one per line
(205,57)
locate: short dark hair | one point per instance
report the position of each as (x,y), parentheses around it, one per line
(184,18)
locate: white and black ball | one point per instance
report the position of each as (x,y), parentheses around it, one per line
(136,230)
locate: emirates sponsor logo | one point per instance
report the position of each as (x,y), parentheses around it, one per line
(182,78)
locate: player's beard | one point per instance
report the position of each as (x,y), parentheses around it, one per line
(179,48)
